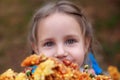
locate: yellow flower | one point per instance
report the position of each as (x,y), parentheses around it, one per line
(8,75)
(21,76)
(44,69)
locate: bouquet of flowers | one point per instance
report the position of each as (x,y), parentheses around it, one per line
(48,68)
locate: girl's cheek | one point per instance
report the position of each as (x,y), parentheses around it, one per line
(77,52)
(47,52)
(75,48)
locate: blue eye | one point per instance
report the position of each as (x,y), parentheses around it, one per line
(70,41)
(49,44)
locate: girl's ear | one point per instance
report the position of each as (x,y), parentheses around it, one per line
(35,48)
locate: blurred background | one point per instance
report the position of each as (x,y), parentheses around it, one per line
(15,16)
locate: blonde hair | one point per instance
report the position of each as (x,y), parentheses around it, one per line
(62,7)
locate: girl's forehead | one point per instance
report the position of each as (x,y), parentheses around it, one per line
(59,21)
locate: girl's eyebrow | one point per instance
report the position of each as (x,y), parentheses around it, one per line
(72,36)
(45,40)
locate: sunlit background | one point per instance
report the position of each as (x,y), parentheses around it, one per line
(15,16)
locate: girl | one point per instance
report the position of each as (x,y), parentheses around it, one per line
(61,30)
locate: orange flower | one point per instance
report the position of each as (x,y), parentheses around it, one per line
(114,73)
(33,60)
(85,76)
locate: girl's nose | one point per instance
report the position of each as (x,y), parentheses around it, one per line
(60,52)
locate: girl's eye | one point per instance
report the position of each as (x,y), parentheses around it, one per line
(49,44)
(71,41)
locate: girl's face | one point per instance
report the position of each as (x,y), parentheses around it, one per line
(59,35)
